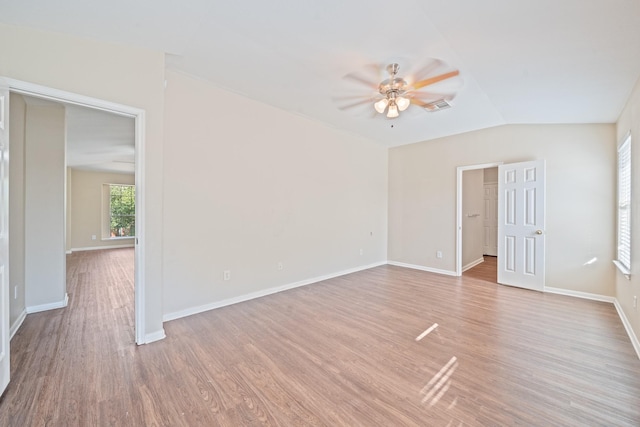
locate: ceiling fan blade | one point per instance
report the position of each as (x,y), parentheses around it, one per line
(418,102)
(432,96)
(435,79)
(434,105)
(357,103)
(352,97)
(362,80)
(428,69)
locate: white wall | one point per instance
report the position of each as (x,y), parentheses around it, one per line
(87,208)
(626,289)
(45,169)
(580,197)
(472,225)
(248,186)
(17,304)
(115,73)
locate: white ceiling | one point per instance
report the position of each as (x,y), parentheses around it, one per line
(543,61)
(100,141)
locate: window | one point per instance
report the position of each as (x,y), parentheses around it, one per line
(623,261)
(122,210)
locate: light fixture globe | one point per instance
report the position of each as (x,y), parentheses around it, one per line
(402,103)
(393,111)
(381,105)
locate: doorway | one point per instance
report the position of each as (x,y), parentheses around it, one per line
(521,219)
(471,215)
(138,117)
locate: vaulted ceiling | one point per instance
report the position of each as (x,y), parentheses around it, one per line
(543,61)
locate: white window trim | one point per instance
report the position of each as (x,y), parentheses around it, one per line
(623,263)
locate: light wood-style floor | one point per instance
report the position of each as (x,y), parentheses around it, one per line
(351,351)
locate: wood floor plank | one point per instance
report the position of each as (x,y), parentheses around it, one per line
(340,352)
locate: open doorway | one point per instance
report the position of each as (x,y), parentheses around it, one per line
(133,161)
(521,219)
(477,224)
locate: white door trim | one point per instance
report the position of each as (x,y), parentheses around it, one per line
(460,170)
(138,114)
(5,328)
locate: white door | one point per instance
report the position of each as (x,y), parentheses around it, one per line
(521,224)
(4,236)
(490,220)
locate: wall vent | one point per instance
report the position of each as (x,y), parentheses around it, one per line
(438,105)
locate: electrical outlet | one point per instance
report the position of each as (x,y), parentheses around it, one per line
(280,265)
(361,252)
(439,254)
(93,237)
(226,275)
(635,302)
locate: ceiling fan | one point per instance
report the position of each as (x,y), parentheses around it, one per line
(395,94)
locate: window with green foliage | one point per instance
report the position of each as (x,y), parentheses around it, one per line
(122,210)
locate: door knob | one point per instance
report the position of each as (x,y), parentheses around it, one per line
(538,231)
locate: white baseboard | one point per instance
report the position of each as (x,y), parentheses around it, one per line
(50,306)
(603,298)
(473,264)
(16,325)
(578,294)
(154,336)
(246,297)
(68,252)
(97,248)
(423,268)
(627,327)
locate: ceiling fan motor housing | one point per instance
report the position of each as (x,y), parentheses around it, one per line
(393,84)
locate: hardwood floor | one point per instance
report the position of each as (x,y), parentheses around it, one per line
(486,271)
(358,350)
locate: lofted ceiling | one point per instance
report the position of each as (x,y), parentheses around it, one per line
(543,61)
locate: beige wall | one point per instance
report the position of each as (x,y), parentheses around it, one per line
(491,175)
(87,208)
(472,225)
(115,73)
(45,264)
(248,186)
(580,185)
(627,289)
(17,304)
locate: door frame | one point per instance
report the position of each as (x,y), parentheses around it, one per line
(459,178)
(32,89)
